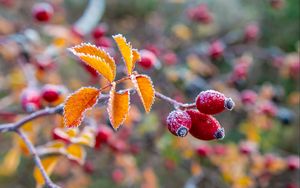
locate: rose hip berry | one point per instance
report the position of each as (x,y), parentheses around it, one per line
(148,59)
(31,100)
(179,123)
(216,49)
(51,93)
(203,150)
(213,102)
(103,134)
(42,12)
(99,31)
(205,127)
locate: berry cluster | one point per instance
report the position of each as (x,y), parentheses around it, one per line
(32,99)
(199,122)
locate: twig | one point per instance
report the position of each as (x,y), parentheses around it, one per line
(37,159)
(47,111)
(175,103)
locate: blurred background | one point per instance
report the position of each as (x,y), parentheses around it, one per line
(248,50)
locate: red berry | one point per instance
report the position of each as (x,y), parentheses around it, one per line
(99,31)
(216,49)
(51,93)
(89,167)
(179,123)
(248,97)
(117,176)
(213,102)
(148,59)
(251,32)
(268,108)
(203,150)
(220,149)
(170,58)
(103,134)
(117,145)
(293,162)
(31,99)
(153,48)
(277,4)
(104,42)
(200,14)
(205,127)
(247,147)
(42,12)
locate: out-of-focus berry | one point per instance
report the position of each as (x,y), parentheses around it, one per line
(31,100)
(42,12)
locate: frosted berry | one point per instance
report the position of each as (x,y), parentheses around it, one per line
(247,147)
(104,42)
(148,59)
(203,150)
(216,49)
(213,102)
(293,162)
(170,58)
(248,97)
(103,134)
(31,100)
(52,93)
(251,32)
(118,176)
(99,31)
(200,14)
(179,123)
(205,127)
(42,12)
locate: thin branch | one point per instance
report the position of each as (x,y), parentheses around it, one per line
(47,111)
(37,159)
(175,103)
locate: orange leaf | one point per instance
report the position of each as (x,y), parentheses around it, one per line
(118,106)
(126,51)
(76,152)
(77,104)
(99,65)
(48,164)
(145,89)
(136,56)
(89,49)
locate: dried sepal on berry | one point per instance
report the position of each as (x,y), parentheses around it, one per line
(143,85)
(48,163)
(89,49)
(118,106)
(126,51)
(77,103)
(99,65)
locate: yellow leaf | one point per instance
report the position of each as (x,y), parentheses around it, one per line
(135,56)
(77,104)
(99,65)
(126,51)
(10,162)
(89,49)
(48,164)
(118,106)
(56,144)
(145,89)
(86,137)
(76,152)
